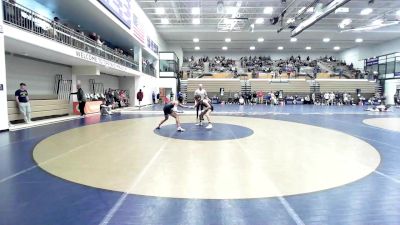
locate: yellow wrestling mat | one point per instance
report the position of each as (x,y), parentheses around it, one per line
(392,124)
(280,158)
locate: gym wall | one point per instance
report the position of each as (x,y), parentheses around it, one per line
(37,74)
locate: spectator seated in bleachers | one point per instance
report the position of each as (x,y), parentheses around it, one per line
(105,109)
(264,67)
(66,33)
(294,100)
(254,65)
(216,64)
(340,68)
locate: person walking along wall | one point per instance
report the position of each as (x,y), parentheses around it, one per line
(139,97)
(81,99)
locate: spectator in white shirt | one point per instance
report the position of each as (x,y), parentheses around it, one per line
(326,98)
(331,98)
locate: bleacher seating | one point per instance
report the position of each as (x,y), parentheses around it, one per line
(265,75)
(323,68)
(289,87)
(323,76)
(346,85)
(42,106)
(221,75)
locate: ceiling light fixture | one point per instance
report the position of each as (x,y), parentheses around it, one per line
(227,40)
(259,20)
(260,39)
(280,48)
(160,10)
(326,40)
(359,40)
(165,21)
(290,20)
(197,48)
(252,48)
(342,10)
(224,48)
(195,10)
(308,48)
(268,10)
(377,22)
(196,40)
(293,39)
(366,11)
(345,23)
(336,48)
(301,10)
(196,21)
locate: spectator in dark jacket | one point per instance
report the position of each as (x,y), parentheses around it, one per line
(153,97)
(139,97)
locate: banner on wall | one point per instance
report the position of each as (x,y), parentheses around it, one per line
(140,34)
(152,45)
(371,62)
(100,61)
(121,9)
(138,29)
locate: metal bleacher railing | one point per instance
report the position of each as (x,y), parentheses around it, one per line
(28,20)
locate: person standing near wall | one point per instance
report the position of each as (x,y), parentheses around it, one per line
(153,97)
(22,99)
(139,97)
(81,99)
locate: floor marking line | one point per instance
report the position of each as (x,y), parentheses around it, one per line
(17,174)
(56,157)
(364,138)
(376,171)
(374,140)
(41,123)
(370,126)
(289,209)
(361,137)
(387,176)
(110,214)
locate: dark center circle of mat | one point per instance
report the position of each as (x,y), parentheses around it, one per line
(219,132)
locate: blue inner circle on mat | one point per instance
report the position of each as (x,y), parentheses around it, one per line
(220,131)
